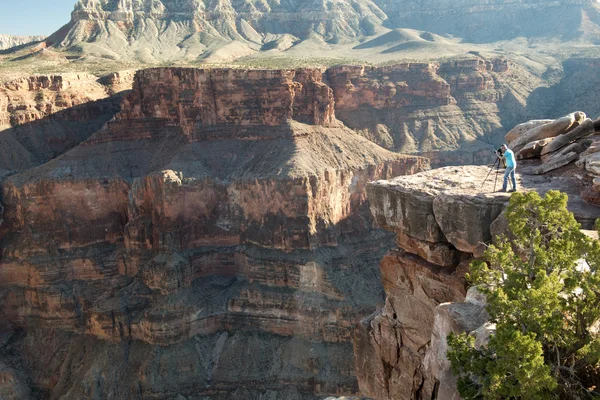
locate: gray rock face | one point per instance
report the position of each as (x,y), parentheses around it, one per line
(8,41)
(446,205)
(492,20)
(556,128)
(197,25)
(452,318)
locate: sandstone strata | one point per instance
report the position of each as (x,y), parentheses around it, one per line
(217,227)
(427,108)
(43,116)
(444,218)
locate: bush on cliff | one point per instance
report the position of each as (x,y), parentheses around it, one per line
(546,307)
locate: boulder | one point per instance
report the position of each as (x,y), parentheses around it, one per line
(442,254)
(483,334)
(555,162)
(590,157)
(591,195)
(533,149)
(450,318)
(465,218)
(552,129)
(525,127)
(499,227)
(597,125)
(583,130)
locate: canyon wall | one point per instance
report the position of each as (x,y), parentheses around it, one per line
(214,237)
(495,20)
(43,116)
(160,30)
(435,109)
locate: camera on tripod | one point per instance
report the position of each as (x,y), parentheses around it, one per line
(498,152)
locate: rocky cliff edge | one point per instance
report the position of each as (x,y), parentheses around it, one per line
(443,219)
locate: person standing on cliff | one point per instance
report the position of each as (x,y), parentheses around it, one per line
(511,165)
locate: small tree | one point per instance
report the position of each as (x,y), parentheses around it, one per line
(545,303)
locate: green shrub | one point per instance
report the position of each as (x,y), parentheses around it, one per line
(546,307)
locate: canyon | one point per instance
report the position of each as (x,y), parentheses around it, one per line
(239,199)
(214,223)
(208,230)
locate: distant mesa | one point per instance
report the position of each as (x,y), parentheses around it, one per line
(154,31)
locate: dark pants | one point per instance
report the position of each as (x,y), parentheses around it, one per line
(510,171)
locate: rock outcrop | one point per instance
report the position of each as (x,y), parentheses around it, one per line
(43,116)
(556,143)
(444,218)
(217,228)
(10,41)
(428,108)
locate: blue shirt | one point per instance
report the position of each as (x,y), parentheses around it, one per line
(510,158)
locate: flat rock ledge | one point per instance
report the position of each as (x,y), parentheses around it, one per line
(447,214)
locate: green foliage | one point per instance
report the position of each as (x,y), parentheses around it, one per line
(545,303)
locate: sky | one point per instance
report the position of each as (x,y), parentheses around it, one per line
(34,17)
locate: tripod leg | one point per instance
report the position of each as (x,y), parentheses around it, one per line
(491,169)
(497,170)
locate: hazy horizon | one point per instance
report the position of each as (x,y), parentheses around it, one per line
(34,17)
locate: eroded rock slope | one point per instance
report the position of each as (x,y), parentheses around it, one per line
(213,238)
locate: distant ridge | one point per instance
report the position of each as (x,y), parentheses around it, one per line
(153,31)
(9,41)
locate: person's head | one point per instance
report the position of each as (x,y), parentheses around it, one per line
(504,148)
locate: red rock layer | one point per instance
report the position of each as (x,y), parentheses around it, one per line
(431,107)
(33,98)
(215,201)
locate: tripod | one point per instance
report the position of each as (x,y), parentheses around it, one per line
(497,165)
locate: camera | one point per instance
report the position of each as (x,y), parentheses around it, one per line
(498,152)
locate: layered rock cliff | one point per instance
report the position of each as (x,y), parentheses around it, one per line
(192,29)
(9,41)
(213,238)
(496,20)
(43,116)
(443,219)
(434,108)
(224,30)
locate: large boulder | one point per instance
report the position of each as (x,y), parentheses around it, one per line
(452,318)
(551,129)
(525,127)
(533,149)
(585,129)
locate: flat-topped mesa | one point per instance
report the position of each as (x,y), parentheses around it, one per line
(444,218)
(196,99)
(195,186)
